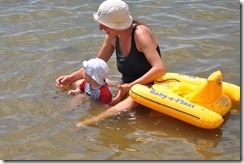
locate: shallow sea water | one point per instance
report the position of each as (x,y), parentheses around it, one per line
(43,39)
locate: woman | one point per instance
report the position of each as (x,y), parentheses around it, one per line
(137,54)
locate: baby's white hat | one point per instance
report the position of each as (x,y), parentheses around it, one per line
(97,69)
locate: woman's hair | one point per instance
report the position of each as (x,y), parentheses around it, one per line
(137,22)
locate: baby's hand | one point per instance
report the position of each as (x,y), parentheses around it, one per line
(72,92)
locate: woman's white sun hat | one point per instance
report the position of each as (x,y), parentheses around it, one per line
(97,69)
(114,14)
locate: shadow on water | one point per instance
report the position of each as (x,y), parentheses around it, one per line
(145,126)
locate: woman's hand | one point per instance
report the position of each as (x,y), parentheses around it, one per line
(123,91)
(63,81)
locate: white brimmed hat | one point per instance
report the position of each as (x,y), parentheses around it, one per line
(114,14)
(97,69)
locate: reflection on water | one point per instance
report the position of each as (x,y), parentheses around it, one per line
(41,40)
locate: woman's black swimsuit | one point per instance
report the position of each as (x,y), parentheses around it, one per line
(135,64)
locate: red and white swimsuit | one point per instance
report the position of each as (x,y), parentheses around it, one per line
(103,93)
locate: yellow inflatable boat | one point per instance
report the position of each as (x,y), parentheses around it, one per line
(198,101)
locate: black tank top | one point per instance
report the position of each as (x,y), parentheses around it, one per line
(135,64)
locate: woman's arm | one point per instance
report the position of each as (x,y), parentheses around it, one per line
(105,53)
(146,43)
(69,79)
(107,48)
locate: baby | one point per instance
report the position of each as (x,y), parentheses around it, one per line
(93,83)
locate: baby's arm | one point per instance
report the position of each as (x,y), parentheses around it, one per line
(74,91)
(76,85)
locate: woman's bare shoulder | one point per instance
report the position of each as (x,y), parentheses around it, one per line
(144,37)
